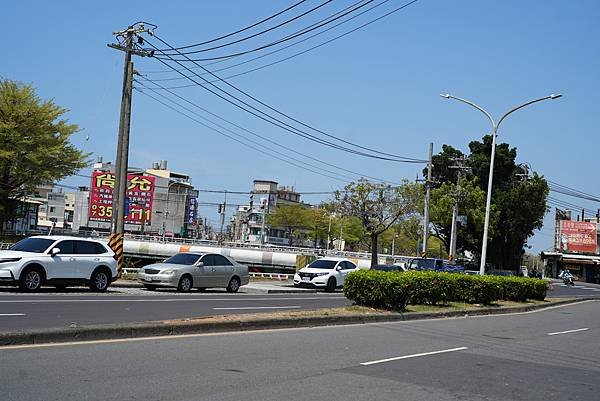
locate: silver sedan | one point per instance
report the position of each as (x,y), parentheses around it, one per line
(185,271)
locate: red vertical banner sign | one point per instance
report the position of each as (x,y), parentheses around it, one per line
(140,195)
(578,236)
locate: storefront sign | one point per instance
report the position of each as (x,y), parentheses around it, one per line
(578,236)
(140,194)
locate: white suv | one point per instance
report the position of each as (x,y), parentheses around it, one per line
(328,273)
(58,261)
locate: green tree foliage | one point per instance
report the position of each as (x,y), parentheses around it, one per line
(378,206)
(472,205)
(34,145)
(292,218)
(518,201)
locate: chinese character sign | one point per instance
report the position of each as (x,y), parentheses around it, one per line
(140,194)
(578,236)
(192,210)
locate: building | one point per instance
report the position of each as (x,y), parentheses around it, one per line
(247,224)
(575,248)
(159,201)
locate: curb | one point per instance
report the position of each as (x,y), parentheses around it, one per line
(239,323)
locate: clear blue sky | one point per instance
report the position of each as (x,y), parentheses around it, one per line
(378,86)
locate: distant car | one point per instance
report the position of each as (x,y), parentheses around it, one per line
(59,261)
(389,268)
(188,270)
(328,273)
(506,273)
(440,265)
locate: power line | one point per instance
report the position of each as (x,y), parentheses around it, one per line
(296,131)
(279,41)
(259,136)
(166,51)
(246,28)
(290,45)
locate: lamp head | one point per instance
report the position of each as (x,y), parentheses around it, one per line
(553,96)
(447,96)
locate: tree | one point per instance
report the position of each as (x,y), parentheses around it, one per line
(517,208)
(378,206)
(290,217)
(34,145)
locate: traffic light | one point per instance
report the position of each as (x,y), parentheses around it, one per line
(220,208)
(251,200)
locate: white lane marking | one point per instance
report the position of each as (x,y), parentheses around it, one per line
(414,356)
(12,314)
(198,299)
(259,307)
(568,331)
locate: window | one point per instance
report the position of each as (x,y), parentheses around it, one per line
(37,245)
(323,264)
(208,260)
(66,247)
(183,259)
(88,248)
(52,209)
(348,266)
(221,260)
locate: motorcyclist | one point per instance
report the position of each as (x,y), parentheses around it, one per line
(566,276)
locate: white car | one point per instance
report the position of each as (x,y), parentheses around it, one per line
(327,273)
(58,261)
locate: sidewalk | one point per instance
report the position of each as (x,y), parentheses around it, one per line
(254,287)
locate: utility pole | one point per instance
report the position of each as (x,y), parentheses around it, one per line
(460,166)
(427,196)
(126,44)
(223,214)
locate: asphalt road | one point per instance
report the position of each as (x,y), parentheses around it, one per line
(23,311)
(546,355)
(78,306)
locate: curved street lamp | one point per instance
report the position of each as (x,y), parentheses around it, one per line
(489,188)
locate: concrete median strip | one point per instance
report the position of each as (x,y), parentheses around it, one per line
(229,323)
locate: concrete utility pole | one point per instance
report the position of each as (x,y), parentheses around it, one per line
(460,166)
(427,196)
(127,45)
(223,214)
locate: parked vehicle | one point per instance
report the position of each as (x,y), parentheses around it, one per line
(188,270)
(439,265)
(59,261)
(328,273)
(389,268)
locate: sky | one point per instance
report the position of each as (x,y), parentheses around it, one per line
(378,87)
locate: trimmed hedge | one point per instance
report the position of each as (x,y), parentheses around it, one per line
(395,290)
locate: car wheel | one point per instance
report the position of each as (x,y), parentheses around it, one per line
(331,285)
(31,279)
(185,284)
(234,285)
(150,287)
(99,281)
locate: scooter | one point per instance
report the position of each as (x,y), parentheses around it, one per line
(568,280)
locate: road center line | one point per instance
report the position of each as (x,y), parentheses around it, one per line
(568,331)
(259,307)
(12,314)
(414,356)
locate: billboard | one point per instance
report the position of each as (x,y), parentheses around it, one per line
(138,203)
(578,236)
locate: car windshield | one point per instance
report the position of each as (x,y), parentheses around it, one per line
(422,264)
(323,264)
(37,245)
(183,259)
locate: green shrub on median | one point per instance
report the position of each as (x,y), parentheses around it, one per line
(393,290)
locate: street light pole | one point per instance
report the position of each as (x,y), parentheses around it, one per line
(491,174)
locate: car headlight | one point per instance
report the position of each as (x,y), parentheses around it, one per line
(7,260)
(167,272)
(322,274)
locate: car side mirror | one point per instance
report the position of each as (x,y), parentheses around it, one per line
(54,251)
(339,268)
(200,264)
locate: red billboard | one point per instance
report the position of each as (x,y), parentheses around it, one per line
(140,194)
(578,236)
